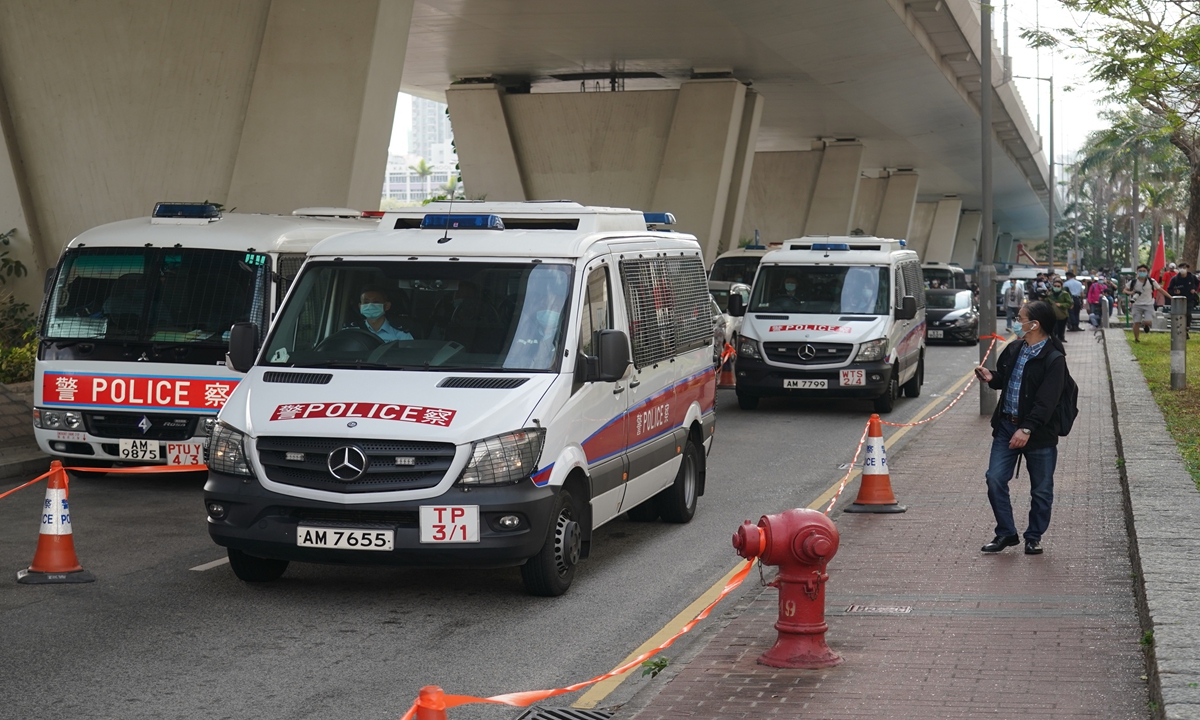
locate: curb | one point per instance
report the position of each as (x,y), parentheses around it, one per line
(23,462)
(1162,518)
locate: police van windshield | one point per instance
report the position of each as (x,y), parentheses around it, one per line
(821,290)
(735,269)
(168,295)
(424,315)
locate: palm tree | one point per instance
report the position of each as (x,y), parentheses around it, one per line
(423,170)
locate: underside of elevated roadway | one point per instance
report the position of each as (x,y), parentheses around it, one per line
(901,78)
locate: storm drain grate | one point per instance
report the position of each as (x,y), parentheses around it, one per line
(879,610)
(537,713)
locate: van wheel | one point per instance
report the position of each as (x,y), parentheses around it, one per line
(747,402)
(550,572)
(255,569)
(912,388)
(887,401)
(646,512)
(678,502)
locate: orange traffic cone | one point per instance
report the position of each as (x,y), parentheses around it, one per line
(55,561)
(431,703)
(726,378)
(875,493)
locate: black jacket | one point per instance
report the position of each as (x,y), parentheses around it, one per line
(1041,386)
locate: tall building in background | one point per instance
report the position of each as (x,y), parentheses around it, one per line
(430,136)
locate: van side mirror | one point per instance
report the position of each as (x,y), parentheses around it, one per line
(737,306)
(614,355)
(243,347)
(907,309)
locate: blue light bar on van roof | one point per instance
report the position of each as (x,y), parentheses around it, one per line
(462,222)
(830,246)
(191,210)
(659,218)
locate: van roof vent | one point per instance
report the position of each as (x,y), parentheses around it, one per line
(297,378)
(483,383)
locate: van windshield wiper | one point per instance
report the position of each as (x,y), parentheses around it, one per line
(350,364)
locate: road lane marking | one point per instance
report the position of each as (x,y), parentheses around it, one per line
(211,565)
(603,689)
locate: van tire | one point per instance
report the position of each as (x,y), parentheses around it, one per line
(249,568)
(912,388)
(550,572)
(886,402)
(747,402)
(678,502)
(646,512)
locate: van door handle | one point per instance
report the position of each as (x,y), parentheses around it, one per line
(618,389)
(634,383)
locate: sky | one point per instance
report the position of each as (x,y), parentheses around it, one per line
(1076,110)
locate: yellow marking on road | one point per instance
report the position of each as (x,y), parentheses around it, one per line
(211,565)
(604,688)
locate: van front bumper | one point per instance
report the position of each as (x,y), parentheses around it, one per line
(757,378)
(263,523)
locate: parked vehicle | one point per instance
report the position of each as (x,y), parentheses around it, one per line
(131,363)
(834,317)
(948,275)
(550,366)
(951,316)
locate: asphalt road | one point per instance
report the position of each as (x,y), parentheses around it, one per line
(154,639)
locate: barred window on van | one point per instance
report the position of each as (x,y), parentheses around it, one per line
(668,307)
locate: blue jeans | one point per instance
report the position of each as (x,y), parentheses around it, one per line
(1010,314)
(1040,464)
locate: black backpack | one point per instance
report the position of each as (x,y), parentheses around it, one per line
(1068,403)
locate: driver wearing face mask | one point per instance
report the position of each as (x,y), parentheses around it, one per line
(373,306)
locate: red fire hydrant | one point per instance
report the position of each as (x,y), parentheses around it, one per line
(800,542)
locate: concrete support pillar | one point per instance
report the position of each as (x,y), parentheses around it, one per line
(899,202)
(945,228)
(321,105)
(485,149)
(966,241)
(743,166)
(836,191)
(698,161)
(921,226)
(16,213)
(781,185)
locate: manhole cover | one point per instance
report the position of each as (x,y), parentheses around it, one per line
(537,713)
(878,610)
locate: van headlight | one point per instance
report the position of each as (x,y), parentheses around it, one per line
(872,350)
(227,451)
(507,458)
(748,347)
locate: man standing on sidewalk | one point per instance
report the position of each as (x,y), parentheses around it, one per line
(1030,373)
(1184,284)
(1013,292)
(1074,287)
(1062,302)
(1142,291)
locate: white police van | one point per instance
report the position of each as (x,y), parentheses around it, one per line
(834,317)
(536,370)
(131,363)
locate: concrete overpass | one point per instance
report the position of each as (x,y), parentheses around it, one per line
(819,116)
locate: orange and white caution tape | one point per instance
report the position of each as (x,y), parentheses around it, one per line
(529,697)
(136,470)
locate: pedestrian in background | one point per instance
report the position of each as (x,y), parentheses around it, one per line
(1168,274)
(1031,374)
(1184,284)
(1142,291)
(1013,292)
(1062,302)
(1095,291)
(1074,287)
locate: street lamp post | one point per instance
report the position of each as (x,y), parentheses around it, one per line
(987,250)
(1049,165)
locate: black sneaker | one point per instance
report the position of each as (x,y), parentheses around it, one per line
(1000,542)
(1033,547)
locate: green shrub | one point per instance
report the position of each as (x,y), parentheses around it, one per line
(18,340)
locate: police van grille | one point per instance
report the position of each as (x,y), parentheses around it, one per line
(125,425)
(429,463)
(823,353)
(669,306)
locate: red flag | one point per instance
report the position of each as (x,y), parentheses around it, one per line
(1160,258)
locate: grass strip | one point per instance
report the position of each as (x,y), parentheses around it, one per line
(1180,407)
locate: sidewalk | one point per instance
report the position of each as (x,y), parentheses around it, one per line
(1005,636)
(19,453)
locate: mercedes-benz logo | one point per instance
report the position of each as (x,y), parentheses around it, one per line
(347,463)
(808,352)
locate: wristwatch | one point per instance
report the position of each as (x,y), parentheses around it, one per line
(1027,431)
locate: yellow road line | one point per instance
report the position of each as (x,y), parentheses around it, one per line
(602,689)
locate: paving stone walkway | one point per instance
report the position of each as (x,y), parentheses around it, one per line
(1003,636)
(19,454)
